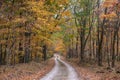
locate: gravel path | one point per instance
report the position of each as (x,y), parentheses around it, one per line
(61,71)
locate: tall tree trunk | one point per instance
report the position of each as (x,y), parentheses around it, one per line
(107,50)
(27,49)
(117,46)
(44,52)
(82,45)
(113,51)
(1,54)
(77,45)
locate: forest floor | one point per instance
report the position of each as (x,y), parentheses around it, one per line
(29,71)
(35,71)
(94,72)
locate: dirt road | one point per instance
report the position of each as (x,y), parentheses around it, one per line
(61,71)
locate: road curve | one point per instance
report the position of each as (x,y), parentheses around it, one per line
(61,71)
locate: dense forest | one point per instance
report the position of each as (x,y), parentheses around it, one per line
(27,30)
(33,30)
(82,32)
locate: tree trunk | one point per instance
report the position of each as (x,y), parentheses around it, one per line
(45,52)
(1,54)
